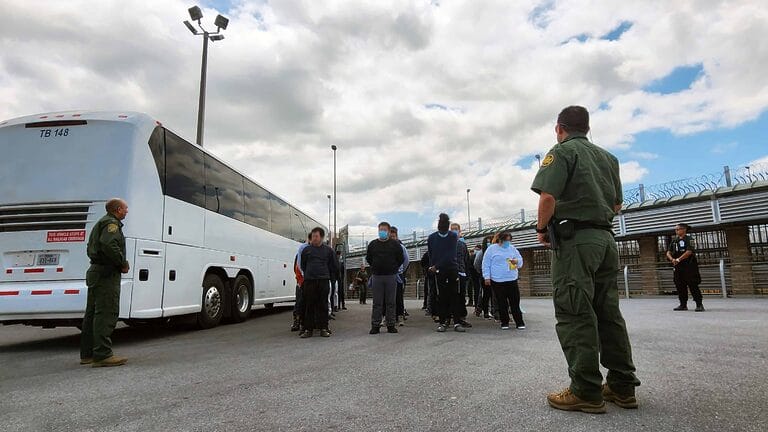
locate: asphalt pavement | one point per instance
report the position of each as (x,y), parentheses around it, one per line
(700,372)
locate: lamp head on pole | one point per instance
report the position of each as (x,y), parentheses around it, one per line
(333,147)
(221,22)
(195,13)
(191,27)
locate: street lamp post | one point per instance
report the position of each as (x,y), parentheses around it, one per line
(221,24)
(334,148)
(538,159)
(330,236)
(469,214)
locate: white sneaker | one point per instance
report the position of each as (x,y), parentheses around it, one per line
(505,327)
(522,327)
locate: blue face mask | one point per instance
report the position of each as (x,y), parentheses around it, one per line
(383,235)
(455,232)
(506,244)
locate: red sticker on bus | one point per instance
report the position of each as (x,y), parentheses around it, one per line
(69,236)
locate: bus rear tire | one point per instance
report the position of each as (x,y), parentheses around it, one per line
(241,299)
(213,302)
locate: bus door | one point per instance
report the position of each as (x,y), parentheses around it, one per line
(262,280)
(148,279)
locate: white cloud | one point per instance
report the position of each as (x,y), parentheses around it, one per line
(632,172)
(294,77)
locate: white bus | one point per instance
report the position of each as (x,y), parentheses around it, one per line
(201,238)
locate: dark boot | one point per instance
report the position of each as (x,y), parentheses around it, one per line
(295,326)
(374,330)
(391,329)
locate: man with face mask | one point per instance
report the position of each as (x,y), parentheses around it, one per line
(442,246)
(384,256)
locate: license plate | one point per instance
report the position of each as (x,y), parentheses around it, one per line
(48,259)
(22,260)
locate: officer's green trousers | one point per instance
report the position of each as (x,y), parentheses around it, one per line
(101,311)
(589,324)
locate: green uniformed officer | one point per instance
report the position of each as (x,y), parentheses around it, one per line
(106,250)
(361,283)
(682,254)
(580,193)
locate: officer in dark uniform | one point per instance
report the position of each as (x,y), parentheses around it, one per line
(682,255)
(580,193)
(106,250)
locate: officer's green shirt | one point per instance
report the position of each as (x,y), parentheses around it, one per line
(583,178)
(106,244)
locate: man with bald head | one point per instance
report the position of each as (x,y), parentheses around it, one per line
(106,251)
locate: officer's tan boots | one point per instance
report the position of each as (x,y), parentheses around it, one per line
(567,401)
(110,361)
(625,401)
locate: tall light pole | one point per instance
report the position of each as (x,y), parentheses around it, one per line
(538,158)
(749,173)
(330,236)
(333,242)
(221,24)
(469,214)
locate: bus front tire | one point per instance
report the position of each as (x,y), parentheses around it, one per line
(241,299)
(213,302)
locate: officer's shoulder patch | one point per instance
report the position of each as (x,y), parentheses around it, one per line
(548,159)
(112,228)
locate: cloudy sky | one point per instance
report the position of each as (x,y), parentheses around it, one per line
(423,98)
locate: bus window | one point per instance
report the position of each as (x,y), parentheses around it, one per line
(224,189)
(281,216)
(157,146)
(185,170)
(256,205)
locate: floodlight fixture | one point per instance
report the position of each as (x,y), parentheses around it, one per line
(221,22)
(191,27)
(195,13)
(217,37)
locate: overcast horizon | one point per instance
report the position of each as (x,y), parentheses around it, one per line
(424,99)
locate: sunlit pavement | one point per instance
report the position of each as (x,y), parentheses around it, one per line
(700,372)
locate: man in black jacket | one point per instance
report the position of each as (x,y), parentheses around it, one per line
(385,257)
(318,263)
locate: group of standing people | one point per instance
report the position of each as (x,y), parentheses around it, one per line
(487,276)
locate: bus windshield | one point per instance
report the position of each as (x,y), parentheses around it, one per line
(63,161)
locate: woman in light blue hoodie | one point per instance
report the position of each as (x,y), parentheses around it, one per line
(501,263)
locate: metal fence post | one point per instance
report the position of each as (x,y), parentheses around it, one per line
(723,288)
(626,281)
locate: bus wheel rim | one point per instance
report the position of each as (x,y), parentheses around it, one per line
(243,298)
(212,302)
